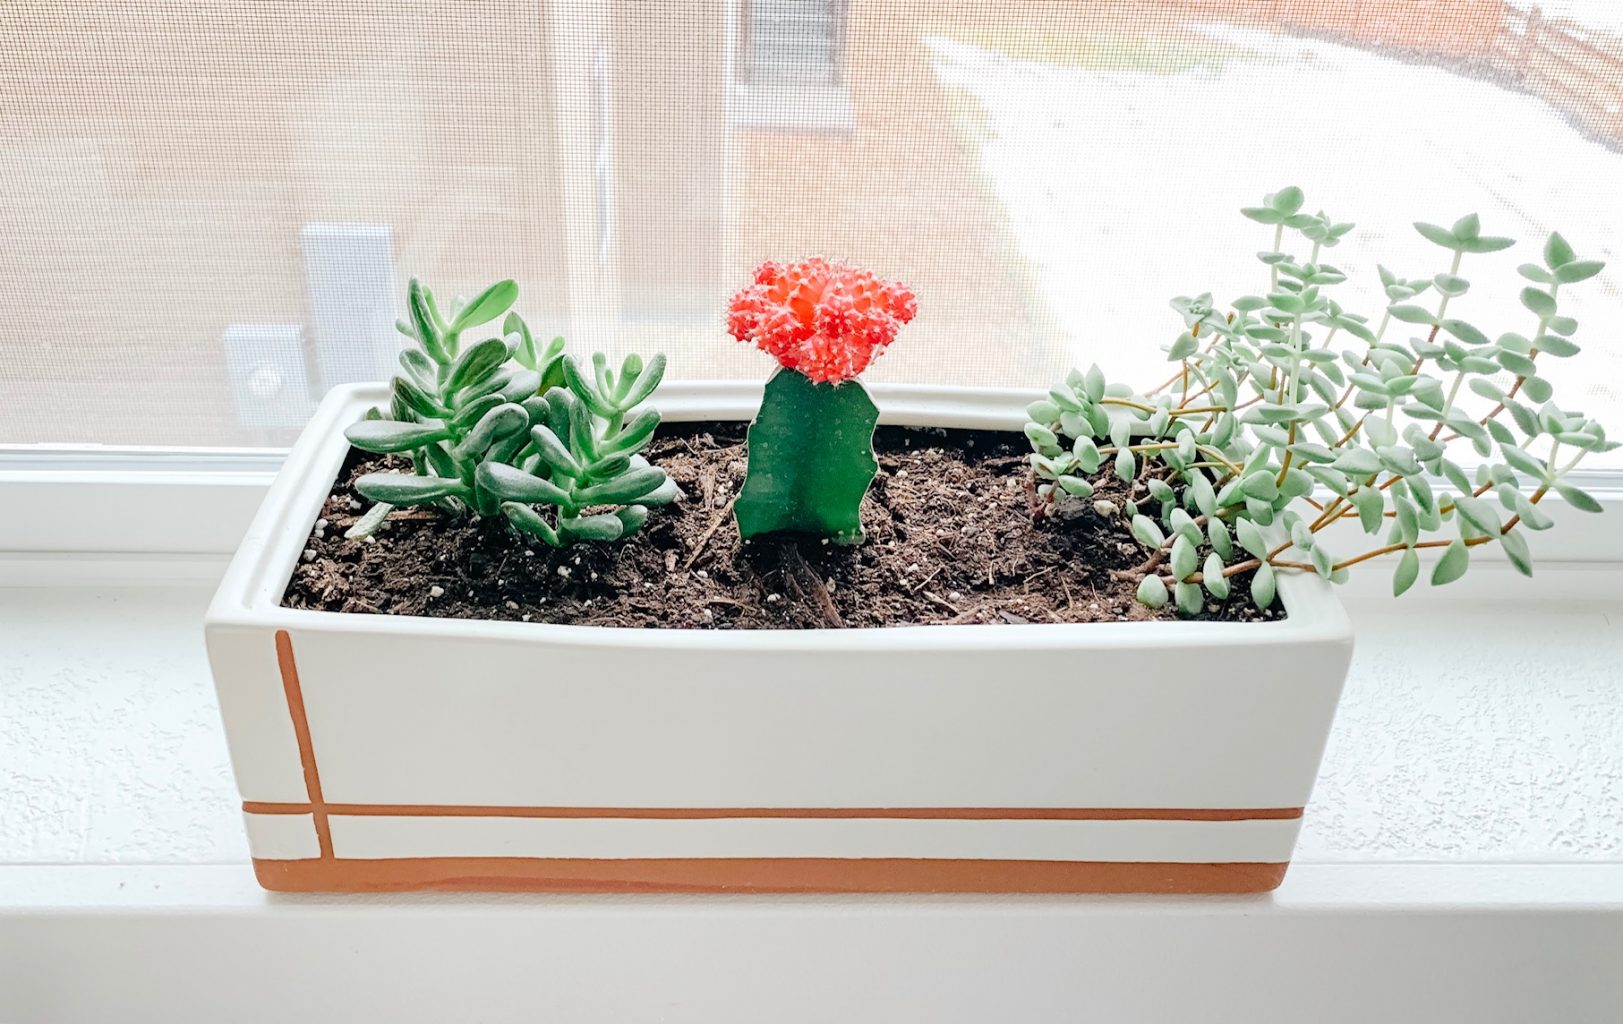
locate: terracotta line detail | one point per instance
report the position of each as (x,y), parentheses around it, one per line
(317,807)
(758,874)
(920,813)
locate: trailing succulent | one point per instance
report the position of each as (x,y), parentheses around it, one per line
(1289,414)
(489,431)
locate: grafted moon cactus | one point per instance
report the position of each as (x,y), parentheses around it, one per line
(811,446)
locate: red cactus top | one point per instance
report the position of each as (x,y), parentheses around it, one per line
(825,320)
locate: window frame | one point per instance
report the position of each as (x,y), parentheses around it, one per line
(134,514)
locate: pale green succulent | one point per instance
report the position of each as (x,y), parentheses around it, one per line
(484,424)
(1271,430)
(584,454)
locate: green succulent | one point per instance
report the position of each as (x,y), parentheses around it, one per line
(547,361)
(583,462)
(451,407)
(1289,414)
(458,410)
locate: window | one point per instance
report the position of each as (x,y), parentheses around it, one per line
(208,211)
(790,71)
(793,41)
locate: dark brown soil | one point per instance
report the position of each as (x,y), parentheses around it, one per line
(950,539)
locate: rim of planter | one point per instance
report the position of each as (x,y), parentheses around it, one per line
(250,592)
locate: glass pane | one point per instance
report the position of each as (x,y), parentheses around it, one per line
(209,210)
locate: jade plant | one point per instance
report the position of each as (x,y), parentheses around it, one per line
(489,430)
(811,455)
(1289,413)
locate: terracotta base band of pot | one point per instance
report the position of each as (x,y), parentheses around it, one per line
(761,875)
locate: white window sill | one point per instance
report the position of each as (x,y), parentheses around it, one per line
(1462,860)
(1338,943)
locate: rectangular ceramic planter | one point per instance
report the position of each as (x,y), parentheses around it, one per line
(389,752)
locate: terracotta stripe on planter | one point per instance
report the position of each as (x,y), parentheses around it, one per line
(761,875)
(301,733)
(957,813)
(734,874)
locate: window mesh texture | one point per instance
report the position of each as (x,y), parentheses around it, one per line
(209,210)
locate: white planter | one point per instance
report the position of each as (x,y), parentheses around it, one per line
(392,752)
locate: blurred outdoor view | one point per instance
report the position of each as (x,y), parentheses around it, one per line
(209,210)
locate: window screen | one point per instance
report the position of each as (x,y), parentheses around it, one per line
(209,210)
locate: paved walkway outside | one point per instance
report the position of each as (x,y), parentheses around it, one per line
(1122,187)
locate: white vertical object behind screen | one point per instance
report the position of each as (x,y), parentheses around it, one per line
(350,276)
